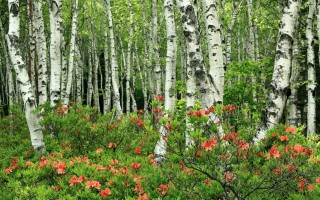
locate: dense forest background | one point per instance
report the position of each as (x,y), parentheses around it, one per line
(94,54)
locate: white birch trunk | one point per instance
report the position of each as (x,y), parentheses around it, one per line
(216,72)
(229,33)
(41,52)
(190,29)
(90,74)
(114,65)
(157,70)
(107,86)
(64,72)
(311,85)
(79,75)
(95,75)
(128,68)
(281,73)
(22,77)
(55,8)
(170,79)
(293,113)
(72,52)
(32,48)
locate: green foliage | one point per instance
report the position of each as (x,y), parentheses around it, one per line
(89,153)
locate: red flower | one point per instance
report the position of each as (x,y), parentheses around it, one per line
(99,150)
(114,162)
(60,166)
(290,130)
(138,189)
(228,176)
(143,197)
(163,188)
(93,184)
(207,181)
(104,193)
(310,187)
(274,152)
(156,110)
(209,144)
(209,110)
(283,138)
(230,136)
(291,168)
(112,145)
(135,165)
(244,146)
(199,113)
(160,98)
(137,150)
(318,180)
(8,170)
(29,163)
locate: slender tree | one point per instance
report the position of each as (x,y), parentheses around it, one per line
(280,84)
(29,101)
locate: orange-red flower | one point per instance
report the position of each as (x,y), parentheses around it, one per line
(159,98)
(310,187)
(29,163)
(283,138)
(290,130)
(99,150)
(93,184)
(135,165)
(209,144)
(199,113)
(274,152)
(228,176)
(230,136)
(104,193)
(143,197)
(207,181)
(163,188)
(60,166)
(318,180)
(112,145)
(137,150)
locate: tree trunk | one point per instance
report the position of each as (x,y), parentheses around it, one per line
(216,71)
(280,85)
(55,8)
(128,68)
(190,30)
(107,87)
(41,52)
(79,75)
(114,65)
(20,67)
(311,85)
(170,79)
(72,52)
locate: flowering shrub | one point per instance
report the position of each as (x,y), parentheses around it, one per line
(92,156)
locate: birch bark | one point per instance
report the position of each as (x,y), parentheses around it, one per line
(311,86)
(114,65)
(28,97)
(281,74)
(55,9)
(72,51)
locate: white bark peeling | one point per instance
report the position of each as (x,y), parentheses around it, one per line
(114,65)
(170,79)
(216,71)
(41,52)
(55,49)
(72,52)
(22,76)
(282,67)
(311,86)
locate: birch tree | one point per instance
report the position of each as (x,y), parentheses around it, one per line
(114,65)
(311,86)
(169,99)
(29,101)
(216,70)
(72,52)
(41,52)
(55,9)
(281,74)
(128,68)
